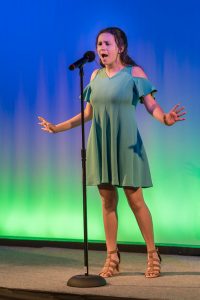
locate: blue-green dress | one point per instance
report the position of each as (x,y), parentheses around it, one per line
(115,152)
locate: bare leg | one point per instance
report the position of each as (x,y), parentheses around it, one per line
(143,217)
(142,214)
(109,198)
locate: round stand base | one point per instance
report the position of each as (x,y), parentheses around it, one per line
(86,281)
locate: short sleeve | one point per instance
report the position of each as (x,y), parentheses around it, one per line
(87,93)
(143,87)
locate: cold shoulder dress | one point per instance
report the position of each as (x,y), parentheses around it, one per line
(115,151)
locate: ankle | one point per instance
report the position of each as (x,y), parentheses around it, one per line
(154,253)
(114,254)
(112,250)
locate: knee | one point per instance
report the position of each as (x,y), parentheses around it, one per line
(109,197)
(135,199)
(109,204)
(136,204)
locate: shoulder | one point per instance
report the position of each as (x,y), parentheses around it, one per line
(94,73)
(138,72)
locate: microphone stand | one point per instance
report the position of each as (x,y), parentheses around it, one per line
(86,280)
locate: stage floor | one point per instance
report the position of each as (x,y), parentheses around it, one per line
(25,270)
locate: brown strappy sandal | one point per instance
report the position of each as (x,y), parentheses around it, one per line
(153,265)
(111,266)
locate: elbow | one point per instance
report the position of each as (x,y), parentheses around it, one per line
(87,116)
(88,113)
(151,109)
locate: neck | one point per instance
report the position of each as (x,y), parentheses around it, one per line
(113,68)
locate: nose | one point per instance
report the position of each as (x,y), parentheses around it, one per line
(102,47)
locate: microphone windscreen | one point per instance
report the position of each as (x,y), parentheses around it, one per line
(90,55)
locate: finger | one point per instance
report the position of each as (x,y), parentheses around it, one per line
(180,109)
(42,119)
(179,115)
(181,119)
(175,107)
(47,130)
(45,124)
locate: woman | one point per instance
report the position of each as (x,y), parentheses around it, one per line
(115,153)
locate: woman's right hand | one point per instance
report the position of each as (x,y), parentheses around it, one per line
(47,126)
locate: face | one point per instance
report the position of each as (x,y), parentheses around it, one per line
(107,49)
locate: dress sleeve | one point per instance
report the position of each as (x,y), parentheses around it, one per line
(143,87)
(87,93)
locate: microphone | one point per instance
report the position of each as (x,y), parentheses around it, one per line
(89,56)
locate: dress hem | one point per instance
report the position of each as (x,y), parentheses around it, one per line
(121,186)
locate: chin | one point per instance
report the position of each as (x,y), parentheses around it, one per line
(107,63)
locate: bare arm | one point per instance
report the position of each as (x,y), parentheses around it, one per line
(154,108)
(71,123)
(150,103)
(66,125)
(76,120)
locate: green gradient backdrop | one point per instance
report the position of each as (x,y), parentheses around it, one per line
(40,179)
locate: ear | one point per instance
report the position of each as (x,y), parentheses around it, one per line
(121,49)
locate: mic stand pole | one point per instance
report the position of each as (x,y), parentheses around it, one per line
(86,280)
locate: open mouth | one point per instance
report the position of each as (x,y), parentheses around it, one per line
(103,55)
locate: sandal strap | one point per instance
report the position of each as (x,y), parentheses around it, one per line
(150,252)
(153,264)
(111,261)
(154,260)
(111,266)
(150,265)
(113,251)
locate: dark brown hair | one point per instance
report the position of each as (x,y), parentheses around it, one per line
(122,42)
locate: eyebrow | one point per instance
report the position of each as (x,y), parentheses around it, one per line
(105,41)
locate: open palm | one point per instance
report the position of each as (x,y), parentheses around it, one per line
(174,115)
(47,126)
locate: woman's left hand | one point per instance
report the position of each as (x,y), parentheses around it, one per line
(174,115)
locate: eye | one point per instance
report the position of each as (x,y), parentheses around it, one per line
(99,44)
(107,44)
